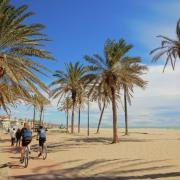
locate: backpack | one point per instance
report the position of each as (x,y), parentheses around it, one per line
(26,134)
(42,133)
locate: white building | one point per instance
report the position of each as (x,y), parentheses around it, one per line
(5,122)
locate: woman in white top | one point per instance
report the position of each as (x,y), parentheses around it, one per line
(13,136)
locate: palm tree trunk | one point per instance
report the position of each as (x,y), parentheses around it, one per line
(100,118)
(88,119)
(125,110)
(79,120)
(115,136)
(67,119)
(34,116)
(2,70)
(72,118)
(43,116)
(41,111)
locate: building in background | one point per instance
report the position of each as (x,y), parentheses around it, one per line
(5,122)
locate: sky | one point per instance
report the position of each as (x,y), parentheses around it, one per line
(80,27)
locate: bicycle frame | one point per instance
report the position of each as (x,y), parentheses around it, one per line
(26,157)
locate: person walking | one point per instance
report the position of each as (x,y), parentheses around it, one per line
(13,136)
(18,137)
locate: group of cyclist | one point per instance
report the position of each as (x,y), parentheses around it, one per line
(25,136)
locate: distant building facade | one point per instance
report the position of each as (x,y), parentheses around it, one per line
(5,122)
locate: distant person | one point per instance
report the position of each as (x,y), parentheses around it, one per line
(13,136)
(18,137)
(26,135)
(42,138)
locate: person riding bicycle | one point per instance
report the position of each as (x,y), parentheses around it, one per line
(42,138)
(26,135)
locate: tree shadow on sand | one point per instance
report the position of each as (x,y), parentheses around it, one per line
(106,140)
(106,170)
(60,177)
(148,176)
(12,165)
(60,146)
(5,140)
(83,142)
(10,149)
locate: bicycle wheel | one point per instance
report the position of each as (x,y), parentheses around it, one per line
(26,159)
(44,152)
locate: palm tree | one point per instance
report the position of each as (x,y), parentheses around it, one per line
(65,106)
(109,73)
(34,102)
(42,101)
(115,71)
(34,116)
(169,47)
(132,72)
(69,83)
(20,43)
(38,102)
(88,116)
(101,96)
(8,96)
(81,100)
(101,115)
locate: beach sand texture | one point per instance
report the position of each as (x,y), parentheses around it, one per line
(144,154)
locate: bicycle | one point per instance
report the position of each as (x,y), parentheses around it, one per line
(26,157)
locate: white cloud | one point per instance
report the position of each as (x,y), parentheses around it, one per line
(160,101)
(161,98)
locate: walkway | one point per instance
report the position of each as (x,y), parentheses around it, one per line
(10,168)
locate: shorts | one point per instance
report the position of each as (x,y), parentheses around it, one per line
(25,142)
(41,141)
(18,137)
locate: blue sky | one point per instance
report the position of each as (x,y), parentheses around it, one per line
(79,27)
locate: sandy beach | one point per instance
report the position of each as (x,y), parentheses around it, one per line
(144,154)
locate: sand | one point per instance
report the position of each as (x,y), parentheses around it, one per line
(144,154)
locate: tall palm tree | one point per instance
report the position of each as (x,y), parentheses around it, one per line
(34,102)
(132,72)
(88,104)
(65,106)
(42,101)
(34,116)
(101,96)
(38,103)
(81,100)
(169,47)
(101,115)
(69,83)
(109,73)
(20,43)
